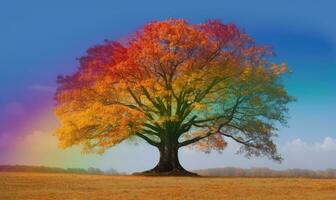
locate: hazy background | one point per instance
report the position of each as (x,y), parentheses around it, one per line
(41,39)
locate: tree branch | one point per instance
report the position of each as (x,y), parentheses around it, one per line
(187,142)
(238,140)
(151,142)
(229,118)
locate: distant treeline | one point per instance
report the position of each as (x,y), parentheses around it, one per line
(266,172)
(26,168)
(226,172)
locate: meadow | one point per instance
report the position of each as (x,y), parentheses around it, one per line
(45,186)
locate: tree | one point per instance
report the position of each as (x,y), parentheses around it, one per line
(174,84)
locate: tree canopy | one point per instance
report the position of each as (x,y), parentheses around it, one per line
(175,84)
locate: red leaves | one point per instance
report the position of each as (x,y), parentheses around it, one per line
(223,33)
(159,47)
(164,50)
(102,58)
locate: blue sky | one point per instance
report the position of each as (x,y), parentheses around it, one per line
(41,39)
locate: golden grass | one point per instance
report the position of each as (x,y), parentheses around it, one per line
(25,186)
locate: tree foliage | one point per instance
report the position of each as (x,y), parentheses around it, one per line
(175,83)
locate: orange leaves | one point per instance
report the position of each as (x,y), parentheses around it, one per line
(279,69)
(160,46)
(212,142)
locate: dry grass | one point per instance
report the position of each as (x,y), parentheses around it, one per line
(70,186)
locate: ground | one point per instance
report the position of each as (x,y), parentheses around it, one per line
(81,187)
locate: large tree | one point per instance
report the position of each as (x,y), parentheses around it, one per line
(175,84)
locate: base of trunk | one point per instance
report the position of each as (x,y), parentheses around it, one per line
(166,169)
(173,172)
(168,165)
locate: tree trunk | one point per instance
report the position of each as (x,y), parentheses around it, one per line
(169,163)
(168,160)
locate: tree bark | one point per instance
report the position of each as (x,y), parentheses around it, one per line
(168,160)
(168,164)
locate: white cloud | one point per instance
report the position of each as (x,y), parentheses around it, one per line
(297,153)
(328,144)
(316,155)
(42,88)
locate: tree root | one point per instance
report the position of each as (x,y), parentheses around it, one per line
(174,172)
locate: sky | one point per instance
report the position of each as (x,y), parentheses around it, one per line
(42,39)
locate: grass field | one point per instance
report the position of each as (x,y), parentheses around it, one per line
(25,186)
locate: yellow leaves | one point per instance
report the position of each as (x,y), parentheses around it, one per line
(279,69)
(103,125)
(246,73)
